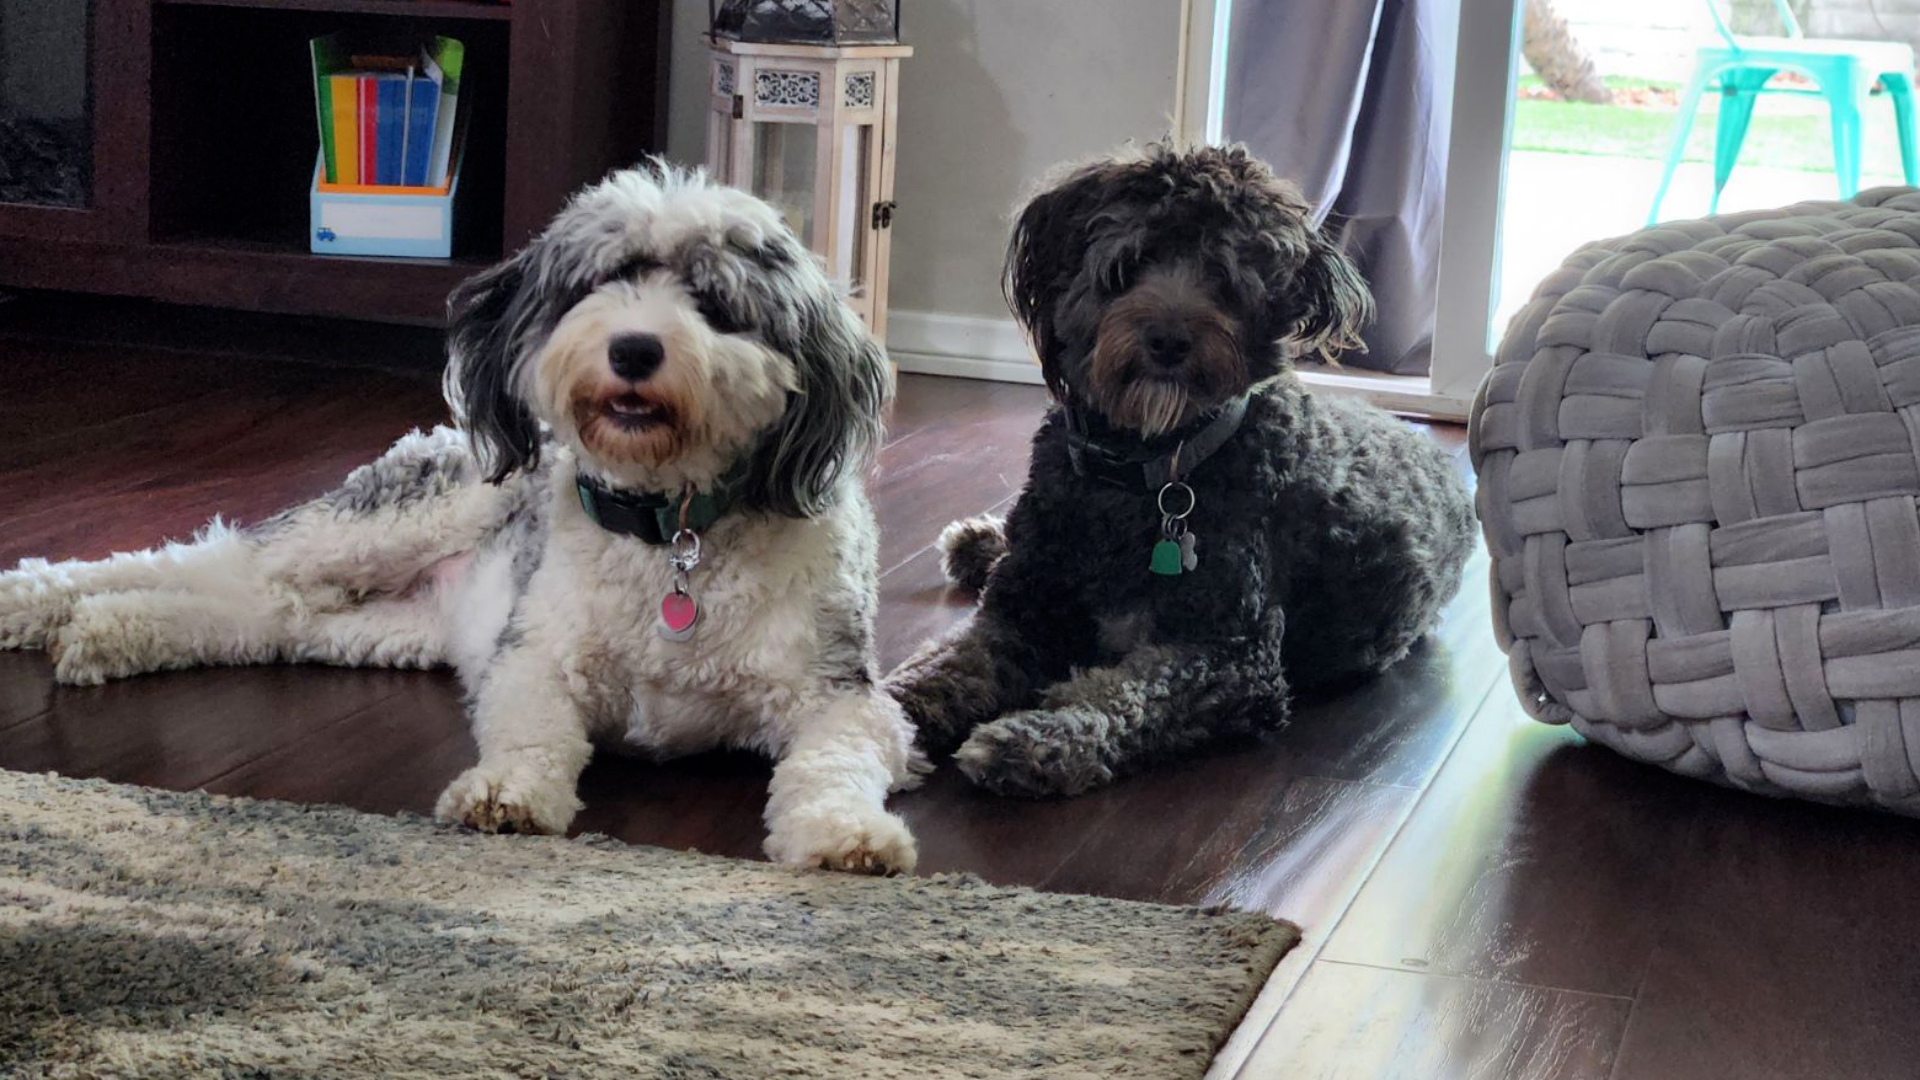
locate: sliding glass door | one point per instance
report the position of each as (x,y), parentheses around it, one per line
(1401,128)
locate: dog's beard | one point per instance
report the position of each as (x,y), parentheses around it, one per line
(1126,393)
(1151,406)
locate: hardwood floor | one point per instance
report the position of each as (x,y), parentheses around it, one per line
(1482,895)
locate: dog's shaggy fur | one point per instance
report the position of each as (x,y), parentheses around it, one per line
(1157,288)
(664,334)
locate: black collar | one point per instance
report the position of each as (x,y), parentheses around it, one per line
(1149,464)
(653,517)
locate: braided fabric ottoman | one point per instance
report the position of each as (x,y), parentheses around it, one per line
(1699,451)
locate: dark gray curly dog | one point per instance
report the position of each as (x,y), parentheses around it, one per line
(1197,530)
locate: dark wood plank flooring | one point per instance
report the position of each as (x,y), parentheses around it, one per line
(1482,895)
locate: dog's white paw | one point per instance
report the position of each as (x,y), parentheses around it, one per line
(509,796)
(34,604)
(861,840)
(97,643)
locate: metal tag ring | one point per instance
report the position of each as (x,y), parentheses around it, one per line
(686,544)
(1161,501)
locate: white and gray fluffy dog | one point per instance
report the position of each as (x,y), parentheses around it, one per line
(648,531)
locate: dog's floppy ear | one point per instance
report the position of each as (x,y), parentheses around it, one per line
(1044,255)
(1320,301)
(490,316)
(833,418)
(1327,301)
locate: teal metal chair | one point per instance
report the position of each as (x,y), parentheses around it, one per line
(1844,73)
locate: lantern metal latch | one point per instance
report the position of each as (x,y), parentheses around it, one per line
(739,107)
(883,214)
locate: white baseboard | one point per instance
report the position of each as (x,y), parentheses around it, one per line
(1408,395)
(963,346)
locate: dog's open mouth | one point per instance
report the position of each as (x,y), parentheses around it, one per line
(633,411)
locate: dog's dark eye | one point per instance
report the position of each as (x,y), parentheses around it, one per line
(722,318)
(634,268)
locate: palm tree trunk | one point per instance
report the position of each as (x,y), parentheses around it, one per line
(1552,52)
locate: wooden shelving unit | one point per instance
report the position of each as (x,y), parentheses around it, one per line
(417,9)
(203,147)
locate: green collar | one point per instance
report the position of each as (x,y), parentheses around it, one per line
(652,516)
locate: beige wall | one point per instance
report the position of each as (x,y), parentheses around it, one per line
(996,93)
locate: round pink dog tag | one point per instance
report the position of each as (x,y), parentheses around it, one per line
(678,613)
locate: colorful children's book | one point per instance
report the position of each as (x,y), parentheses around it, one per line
(369,129)
(329,57)
(390,117)
(444,61)
(343,131)
(422,104)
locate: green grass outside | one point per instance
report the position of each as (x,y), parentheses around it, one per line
(1788,131)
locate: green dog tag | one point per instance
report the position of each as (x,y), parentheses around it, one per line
(1166,559)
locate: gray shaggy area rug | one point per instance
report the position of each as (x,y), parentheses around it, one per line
(153,934)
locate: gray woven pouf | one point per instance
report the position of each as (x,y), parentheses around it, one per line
(1699,451)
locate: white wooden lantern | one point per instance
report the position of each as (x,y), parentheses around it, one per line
(810,129)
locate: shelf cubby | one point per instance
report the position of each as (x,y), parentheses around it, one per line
(204,142)
(479,10)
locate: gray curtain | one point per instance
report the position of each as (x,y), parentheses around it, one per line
(1346,98)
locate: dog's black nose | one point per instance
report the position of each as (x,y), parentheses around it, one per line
(1167,344)
(635,357)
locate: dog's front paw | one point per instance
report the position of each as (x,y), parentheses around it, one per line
(33,605)
(509,797)
(863,840)
(98,643)
(937,727)
(1036,754)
